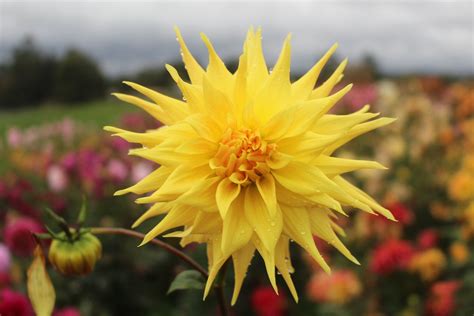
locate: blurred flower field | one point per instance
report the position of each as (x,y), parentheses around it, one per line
(421,265)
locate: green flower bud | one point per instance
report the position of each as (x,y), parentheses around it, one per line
(75,257)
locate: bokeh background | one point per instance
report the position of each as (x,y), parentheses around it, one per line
(413,60)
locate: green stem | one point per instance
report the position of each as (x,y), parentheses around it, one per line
(157,242)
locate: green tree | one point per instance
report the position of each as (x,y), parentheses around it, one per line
(78,78)
(28,77)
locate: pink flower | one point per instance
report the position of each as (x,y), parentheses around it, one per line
(265,302)
(428,238)
(5,258)
(441,301)
(14,137)
(14,304)
(390,256)
(67,311)
(57,178)
(17,235)
(117,170)
(140,170)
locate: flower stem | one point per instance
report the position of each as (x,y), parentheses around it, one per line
(219,290)
(157,242)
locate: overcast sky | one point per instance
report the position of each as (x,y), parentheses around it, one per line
(124,36)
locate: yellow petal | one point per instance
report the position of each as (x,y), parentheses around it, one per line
(153,109)
(257,68)
(241,260)
(40,288)
(155,210)
(268,228)
(193,68)
(179,182)
(326,88)
(283,264)
(359,130)
(363,197)
(269,261)
(151,182)
(266,187)
(321,226)
(176,109)
(178,216)
(236,232)
(302,88)
(216,70)
(334,166)
(191,93)
(226,193)
(297,227)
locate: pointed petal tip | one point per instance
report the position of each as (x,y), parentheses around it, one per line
(143,243)
(120,192)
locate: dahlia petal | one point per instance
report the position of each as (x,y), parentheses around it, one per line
(241,260)
(151,182)
(257,68)
(268,259)
(202,195)
(331,124)
(155,210)
(297,227)
(283,264)
(226,193)
(266,187)
(191,93)
(334,166)
(300,118)
(218,260)
(268,228)
(363,197)
(216,70)
(205,126)
(178,216)
(275,93)
(359,130)
(176,109)
(153,109)
(148,139)
(301,89)
(326,88)
(178,182)
(321,227)
(236,231)
(193,68)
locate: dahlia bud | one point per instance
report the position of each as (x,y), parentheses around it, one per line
(75,257)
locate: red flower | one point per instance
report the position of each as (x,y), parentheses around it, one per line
(441,301)
(428,238)
(67,311)
(266,302)
(14,304)
(390,256)
(401,212)
(18,237)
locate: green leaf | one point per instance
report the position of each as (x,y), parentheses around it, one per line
(189,279)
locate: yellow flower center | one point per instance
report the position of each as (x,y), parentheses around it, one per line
(242,156)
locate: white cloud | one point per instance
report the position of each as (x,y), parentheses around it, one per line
(404,36)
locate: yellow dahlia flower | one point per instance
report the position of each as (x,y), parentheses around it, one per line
(245,160)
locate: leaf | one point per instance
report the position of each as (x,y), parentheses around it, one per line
(40,289)
(189,279)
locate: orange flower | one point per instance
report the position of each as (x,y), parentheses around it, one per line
(428,263)
(459,252)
